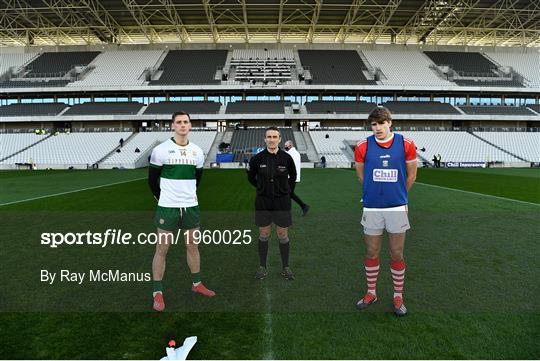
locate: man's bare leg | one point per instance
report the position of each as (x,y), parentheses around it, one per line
(194,263)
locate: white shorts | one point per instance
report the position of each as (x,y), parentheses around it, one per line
(394,220)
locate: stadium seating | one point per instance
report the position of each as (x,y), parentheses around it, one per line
(453,146)
(335,66)
(523,144)
(244,140)
(333,147)
(73,149)
(190,67)
(404,107)
(338,107)
(483,83)
(262,64)
(403,67)
(535,107)
(12,143)
(457,147)
(31,109)
(199,107)
(50,65)
(526,64)
(495,110)
(256,107)
(119,68)
(32,83)
(13,61)
(465,64)
(104,108)
(145,141)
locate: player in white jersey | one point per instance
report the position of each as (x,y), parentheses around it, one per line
(289,147)
(174,174)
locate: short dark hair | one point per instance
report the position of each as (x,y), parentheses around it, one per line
(272,128)
(175,114)
(380,115)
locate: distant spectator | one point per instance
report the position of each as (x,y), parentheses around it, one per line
(323,161)
(121,142)
(327,136)
(137,150)
(439,160)
(434,160)
(118,150)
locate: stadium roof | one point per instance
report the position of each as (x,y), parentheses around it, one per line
(444,22)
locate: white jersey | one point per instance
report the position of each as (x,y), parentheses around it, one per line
(297,162)
(177,179)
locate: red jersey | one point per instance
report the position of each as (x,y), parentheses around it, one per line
(361,147)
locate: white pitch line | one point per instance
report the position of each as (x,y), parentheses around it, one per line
(479,194)
(268,352)
(68,192)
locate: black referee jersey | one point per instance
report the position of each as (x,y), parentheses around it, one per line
(274,175)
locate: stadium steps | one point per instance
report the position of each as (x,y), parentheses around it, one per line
(300,142)
(424,159)
(211,157)
(496,146)
(310,147)
(115,148)
(25,148)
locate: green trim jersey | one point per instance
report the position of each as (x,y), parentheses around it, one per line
(177,179)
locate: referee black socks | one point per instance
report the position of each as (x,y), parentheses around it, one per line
(263,250)
(284,247)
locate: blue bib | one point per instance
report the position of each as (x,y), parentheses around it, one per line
(385,174)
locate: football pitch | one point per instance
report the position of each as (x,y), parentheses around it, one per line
(471,287)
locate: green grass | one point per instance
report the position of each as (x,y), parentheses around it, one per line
(471,284)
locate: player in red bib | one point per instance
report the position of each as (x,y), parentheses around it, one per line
(386,167)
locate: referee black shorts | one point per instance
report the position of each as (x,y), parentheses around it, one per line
(273,210)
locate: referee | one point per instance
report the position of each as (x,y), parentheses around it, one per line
(273,173)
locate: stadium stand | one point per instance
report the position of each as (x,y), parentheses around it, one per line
(244,140)
(523,144)
(146,141)
(526,64)
(404,107)
(32,83)
(339,107)
(167,107)
(465,64)
(481,83)
(31,109)
(473,69)
(333,144)
(12,62)
(402,67)
(50,65)
(119,68)
(12,143)
(256,107)
(69,149)
(457,147)
(335,67)
(261,65)
(190,67)
(104,108)
(495,110)
(535,107)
